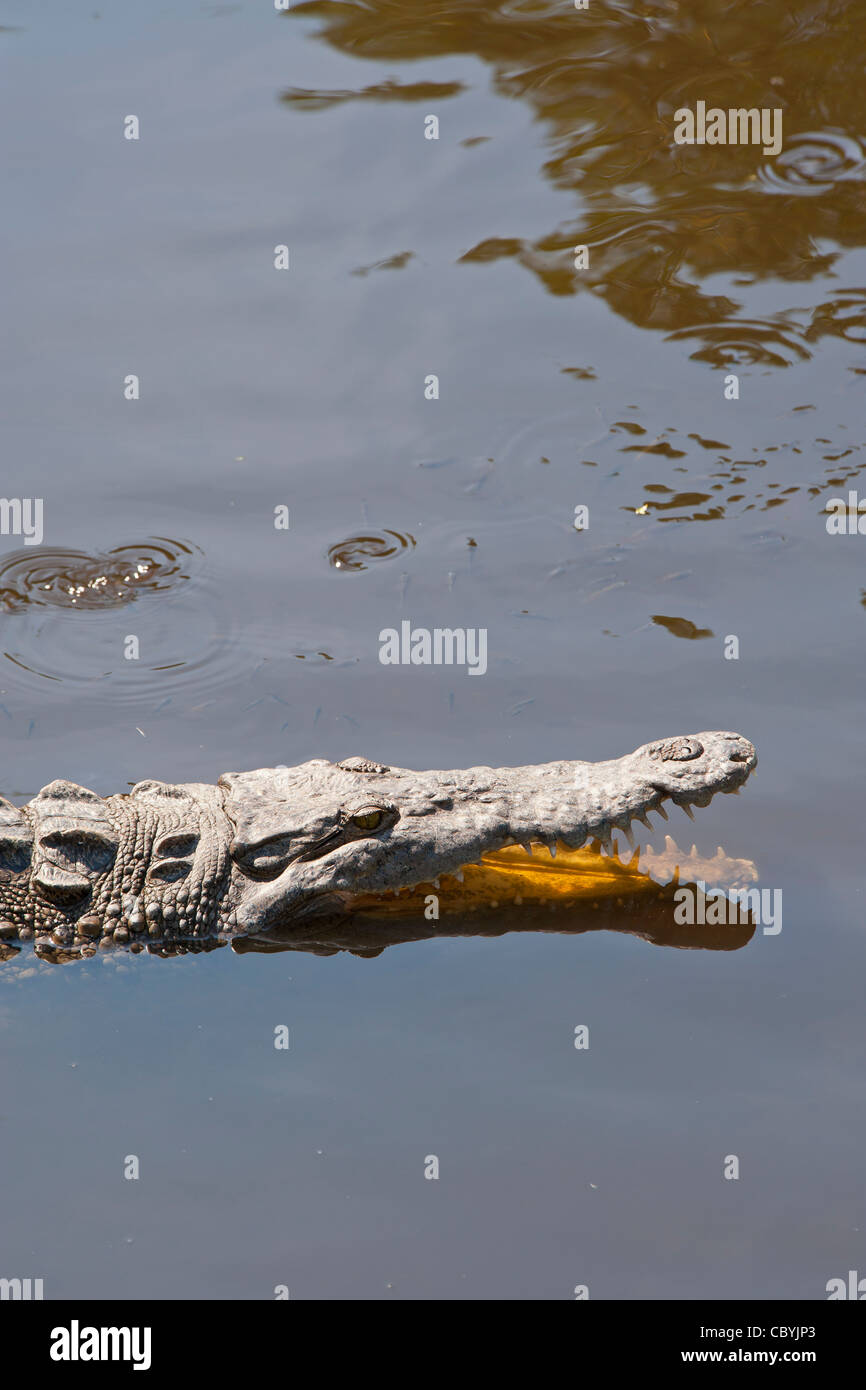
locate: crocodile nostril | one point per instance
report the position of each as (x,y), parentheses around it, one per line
(741,754)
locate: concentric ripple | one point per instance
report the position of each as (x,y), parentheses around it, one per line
(74,579)
(812,163)
(145,620)
(745,343)
(359,552)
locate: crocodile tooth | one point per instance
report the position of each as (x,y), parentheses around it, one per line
(629,835)
(662,812)
(684,805)
(644,820)
(552,848)
(458,874)
(527,846)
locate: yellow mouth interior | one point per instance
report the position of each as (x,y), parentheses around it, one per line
(512,877)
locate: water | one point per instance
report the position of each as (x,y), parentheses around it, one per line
(304,389)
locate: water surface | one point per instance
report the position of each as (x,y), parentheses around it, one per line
(304,389)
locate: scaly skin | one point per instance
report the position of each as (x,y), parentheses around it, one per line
(202,864)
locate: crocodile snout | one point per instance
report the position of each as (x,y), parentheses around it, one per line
(743,752)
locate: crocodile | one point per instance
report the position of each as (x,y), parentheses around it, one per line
(205,865)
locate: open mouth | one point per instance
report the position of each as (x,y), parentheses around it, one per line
(570,891)
(563,877)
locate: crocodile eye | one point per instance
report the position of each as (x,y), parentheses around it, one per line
(368,820)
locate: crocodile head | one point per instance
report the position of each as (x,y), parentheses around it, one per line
(307,839)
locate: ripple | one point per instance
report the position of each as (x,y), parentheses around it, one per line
(321,99)
(745,343)
(811,163)
(74,579)
(842,317)
(145,621)
(359,552)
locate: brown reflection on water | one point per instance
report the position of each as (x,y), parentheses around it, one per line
(660,218)
(682,627)
(737,485)
(395,262)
